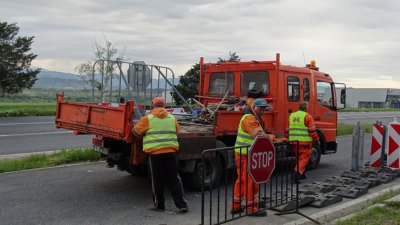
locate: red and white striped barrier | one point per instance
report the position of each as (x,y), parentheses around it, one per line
(376,145)
(393,156)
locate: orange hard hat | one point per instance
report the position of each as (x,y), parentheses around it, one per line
(158,101)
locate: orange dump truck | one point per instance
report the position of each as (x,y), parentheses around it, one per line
(284,87)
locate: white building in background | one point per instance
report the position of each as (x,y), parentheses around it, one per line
(371,98)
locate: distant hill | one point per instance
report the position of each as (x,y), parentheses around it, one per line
(59,80)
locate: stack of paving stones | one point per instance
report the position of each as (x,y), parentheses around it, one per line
(351,184)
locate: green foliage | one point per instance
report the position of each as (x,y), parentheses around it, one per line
(109,53)
(15,61)
(46,160)
(233,57)
(189,83)
(27,109)
(376,215)
(347,129)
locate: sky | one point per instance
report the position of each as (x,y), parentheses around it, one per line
(355,41)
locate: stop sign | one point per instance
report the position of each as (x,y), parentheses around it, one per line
(261,159)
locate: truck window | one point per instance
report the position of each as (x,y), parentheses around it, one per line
(324,94)
(257,80)
(220,83)
(306,90)
(293,89)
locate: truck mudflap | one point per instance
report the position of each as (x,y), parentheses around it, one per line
(107,121)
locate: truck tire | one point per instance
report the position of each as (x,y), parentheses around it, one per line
(315,157)
(213,171)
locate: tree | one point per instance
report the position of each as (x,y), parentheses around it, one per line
(109,53)
(189,83)
(15,61)
(232,58)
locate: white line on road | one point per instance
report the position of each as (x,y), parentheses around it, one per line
(12,124)
(27,134)
(364,117)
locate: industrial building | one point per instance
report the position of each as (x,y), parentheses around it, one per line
(371,98)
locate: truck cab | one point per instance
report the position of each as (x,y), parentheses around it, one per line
(284,88)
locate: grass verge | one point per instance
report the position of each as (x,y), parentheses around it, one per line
(47,160)
(346,129)
(389,214)
(27,109)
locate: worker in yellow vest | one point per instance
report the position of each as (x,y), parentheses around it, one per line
(245,189)
(159,130)
(302,131)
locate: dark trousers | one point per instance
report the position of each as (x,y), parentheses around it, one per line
(164,170)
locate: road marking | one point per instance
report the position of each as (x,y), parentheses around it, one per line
(12,124)
(364,117)
(27,134)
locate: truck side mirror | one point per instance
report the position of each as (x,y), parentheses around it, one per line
(343,96)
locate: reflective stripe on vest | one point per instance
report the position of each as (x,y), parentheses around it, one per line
(161,133)
(243,138)
(298,131)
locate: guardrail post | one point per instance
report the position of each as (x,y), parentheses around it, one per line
(357,148)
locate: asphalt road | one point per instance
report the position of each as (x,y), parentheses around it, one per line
(93,194)
(36,134)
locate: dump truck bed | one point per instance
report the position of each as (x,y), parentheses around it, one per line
(113,122)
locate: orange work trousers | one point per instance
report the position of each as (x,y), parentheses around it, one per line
(245,189)
(304,156)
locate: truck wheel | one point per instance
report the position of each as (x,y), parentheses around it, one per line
(315,157)
(212,169)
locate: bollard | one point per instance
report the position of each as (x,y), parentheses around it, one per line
(393,156)
(357,148)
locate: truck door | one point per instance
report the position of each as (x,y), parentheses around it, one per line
(292,95)
(325,115)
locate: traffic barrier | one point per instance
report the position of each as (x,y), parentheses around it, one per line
(393,156)
(278,191)
(377,145)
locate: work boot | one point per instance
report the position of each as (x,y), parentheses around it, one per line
(256,212)
(296,177)
(183,210)
(236,208)
(156,208)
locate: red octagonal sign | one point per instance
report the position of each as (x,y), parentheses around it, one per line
(261,159)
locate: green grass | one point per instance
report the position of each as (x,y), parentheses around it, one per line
(27,109)
(386,215)
(346,129)
(46,160)
(381,198)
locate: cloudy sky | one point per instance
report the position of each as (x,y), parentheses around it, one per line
(355,41)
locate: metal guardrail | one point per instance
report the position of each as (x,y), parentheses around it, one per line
(141,83)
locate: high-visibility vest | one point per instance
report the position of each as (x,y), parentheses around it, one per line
(161,133)
(298,131)
(243,138)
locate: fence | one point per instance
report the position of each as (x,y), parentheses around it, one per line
(279,193)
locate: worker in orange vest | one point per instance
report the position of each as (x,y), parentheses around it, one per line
(159,130)
(302,131)
(245,189)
